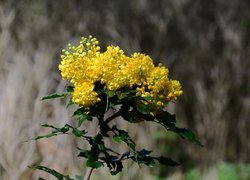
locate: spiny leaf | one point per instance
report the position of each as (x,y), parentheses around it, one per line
(48,125)
(91,162)
(78,133)
(187,134)
(79,112)
(52,172)
(45,136)
(54,95)
(166,161)
(64,129)
(79,177)
(117,139)
(81,119)
(70,88)
(125,155)
(117,168)
(85,154)
(144,152)
(143,108)
(110,93)
(166,118)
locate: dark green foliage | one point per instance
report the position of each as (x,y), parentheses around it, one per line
(187,134)
(70,89)
(52,172)
(79,178)
(132,109)
(91,162)
(54,95)
(166,161)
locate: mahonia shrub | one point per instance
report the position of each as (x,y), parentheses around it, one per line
(132,85)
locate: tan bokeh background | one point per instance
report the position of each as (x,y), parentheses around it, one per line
(205,44)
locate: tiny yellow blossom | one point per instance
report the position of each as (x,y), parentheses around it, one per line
(84,65)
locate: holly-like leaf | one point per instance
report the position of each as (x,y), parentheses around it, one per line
(91,162)
(81,119)
(78,133)
(54,95)
(125,155)
(166,161)
(143,108)
(70,89)
(144,153)
(79,177)
(123,136)
(45,136)
(117,139)
(52,172)
(79,111)
(85,154)
(187,134)
(82,115)
(147,160)
(64,129)
(117,165)
(166,118)
(110,93)
(48,125)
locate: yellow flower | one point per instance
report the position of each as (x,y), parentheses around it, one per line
(85,95)
(84,65)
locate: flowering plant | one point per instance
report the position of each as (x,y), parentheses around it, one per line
(132,85)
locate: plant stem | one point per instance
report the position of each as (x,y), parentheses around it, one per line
(88,173)
(101,121)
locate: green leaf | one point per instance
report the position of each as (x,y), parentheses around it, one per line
(45,136)
(125,155)
(166,118)
(64,129)
(166,161)
(144,153)
(70,88)
(147,160)
(85,154)
(54,95)
(117,165)
(126,94)
(143,108)
(131,145)
(79,112)
(51,171)
(91,162)
(56,131)
(187,134)
(117,139)
(79,177)
(41,178)
(123,136)
(78,133)
(110,93)
(81,119)
(148,98)
(48,125)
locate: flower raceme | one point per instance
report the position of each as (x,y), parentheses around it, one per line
(84,65)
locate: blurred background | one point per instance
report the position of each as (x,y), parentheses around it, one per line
(205,44)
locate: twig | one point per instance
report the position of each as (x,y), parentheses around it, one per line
(88,173)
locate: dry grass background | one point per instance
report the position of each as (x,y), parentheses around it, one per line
(204,43)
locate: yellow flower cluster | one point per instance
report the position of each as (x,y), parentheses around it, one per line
(85,64)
